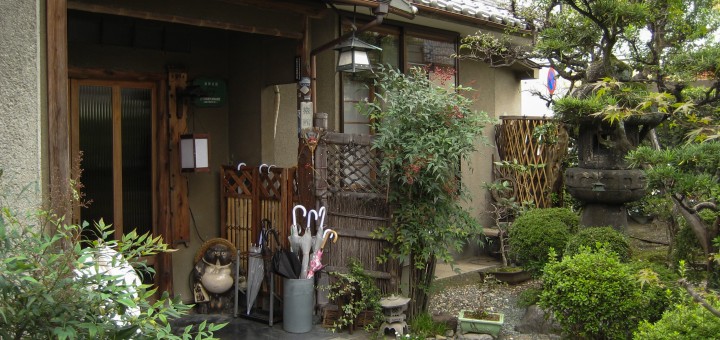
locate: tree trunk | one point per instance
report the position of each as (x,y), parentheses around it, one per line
(419,285)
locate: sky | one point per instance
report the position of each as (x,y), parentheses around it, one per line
(532,105)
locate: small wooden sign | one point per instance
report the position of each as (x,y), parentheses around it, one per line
(213,92)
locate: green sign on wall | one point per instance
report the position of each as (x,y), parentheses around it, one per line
(213,92)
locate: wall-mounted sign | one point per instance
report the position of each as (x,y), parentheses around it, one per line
(212,92)
(306,115)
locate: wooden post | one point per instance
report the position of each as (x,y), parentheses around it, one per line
(321,121)
(179,205)
(164,276)
(58,111)
(306,190)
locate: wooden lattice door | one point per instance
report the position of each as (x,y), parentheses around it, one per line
(354,194)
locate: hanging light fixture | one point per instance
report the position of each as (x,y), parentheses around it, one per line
(353,55)
(194,152)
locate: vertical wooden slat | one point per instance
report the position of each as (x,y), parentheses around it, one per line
(224,208)
(75,134)
(117,161)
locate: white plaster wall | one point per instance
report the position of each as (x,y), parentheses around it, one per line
(508,94)
(21,100)
(279,142)
(478,168)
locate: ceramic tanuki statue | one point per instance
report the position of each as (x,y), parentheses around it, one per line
(214,276)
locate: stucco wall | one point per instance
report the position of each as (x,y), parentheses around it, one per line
(508,93)
(21,109)
(496,91)
(327,85)
(279,125)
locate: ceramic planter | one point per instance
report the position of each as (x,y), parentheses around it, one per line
(508,276)
(471,325)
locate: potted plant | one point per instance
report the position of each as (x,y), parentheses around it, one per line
(507,274)
(480,321)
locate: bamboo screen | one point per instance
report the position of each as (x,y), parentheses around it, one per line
(352,189)
(515,143)
(247,197)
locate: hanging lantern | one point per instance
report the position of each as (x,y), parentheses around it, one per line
(353,55)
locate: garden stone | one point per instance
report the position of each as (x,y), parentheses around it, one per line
(448,319)
(537,321)
(475,336)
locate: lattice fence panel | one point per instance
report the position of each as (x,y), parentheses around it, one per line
(516,144)
(353,168)
(248,196)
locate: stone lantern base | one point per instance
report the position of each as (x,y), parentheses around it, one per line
(604,194)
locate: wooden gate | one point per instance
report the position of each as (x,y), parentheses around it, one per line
(349,185)
(249,195)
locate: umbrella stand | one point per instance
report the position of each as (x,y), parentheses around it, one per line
(258,255)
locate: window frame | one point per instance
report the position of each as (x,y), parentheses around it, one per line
(403,30)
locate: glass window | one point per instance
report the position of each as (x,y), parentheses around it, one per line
(435,55)
(434,52)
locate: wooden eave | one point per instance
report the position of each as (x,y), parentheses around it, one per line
(311,9)
(118,9)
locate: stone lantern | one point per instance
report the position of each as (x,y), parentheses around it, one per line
(602,181)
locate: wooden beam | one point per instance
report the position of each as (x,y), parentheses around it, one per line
(58,111)
(148,15)
(108,74)
(314,11)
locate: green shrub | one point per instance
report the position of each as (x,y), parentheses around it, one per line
(529,297)
(536,231)
(593,295)
(686,320)
(422,326)
(590,236)
(660,288)
(53,285)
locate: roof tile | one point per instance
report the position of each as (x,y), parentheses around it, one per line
(489,10)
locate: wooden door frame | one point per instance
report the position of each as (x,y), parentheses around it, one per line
(117,86)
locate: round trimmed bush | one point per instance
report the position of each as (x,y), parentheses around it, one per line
(591,236)
(593,295)
(533,234)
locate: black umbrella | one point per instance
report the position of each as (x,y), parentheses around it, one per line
(284,262)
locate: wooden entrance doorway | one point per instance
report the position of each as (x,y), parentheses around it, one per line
(113,124)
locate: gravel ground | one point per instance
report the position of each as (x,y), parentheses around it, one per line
(472,293)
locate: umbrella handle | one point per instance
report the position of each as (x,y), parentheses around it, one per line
(308,218)
(277,238)
(329,233)
(322,212)
(294,218)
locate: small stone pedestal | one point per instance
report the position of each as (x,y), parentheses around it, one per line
(394,313)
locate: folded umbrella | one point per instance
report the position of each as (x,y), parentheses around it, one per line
(315,264)
(284,262)
(306,244)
